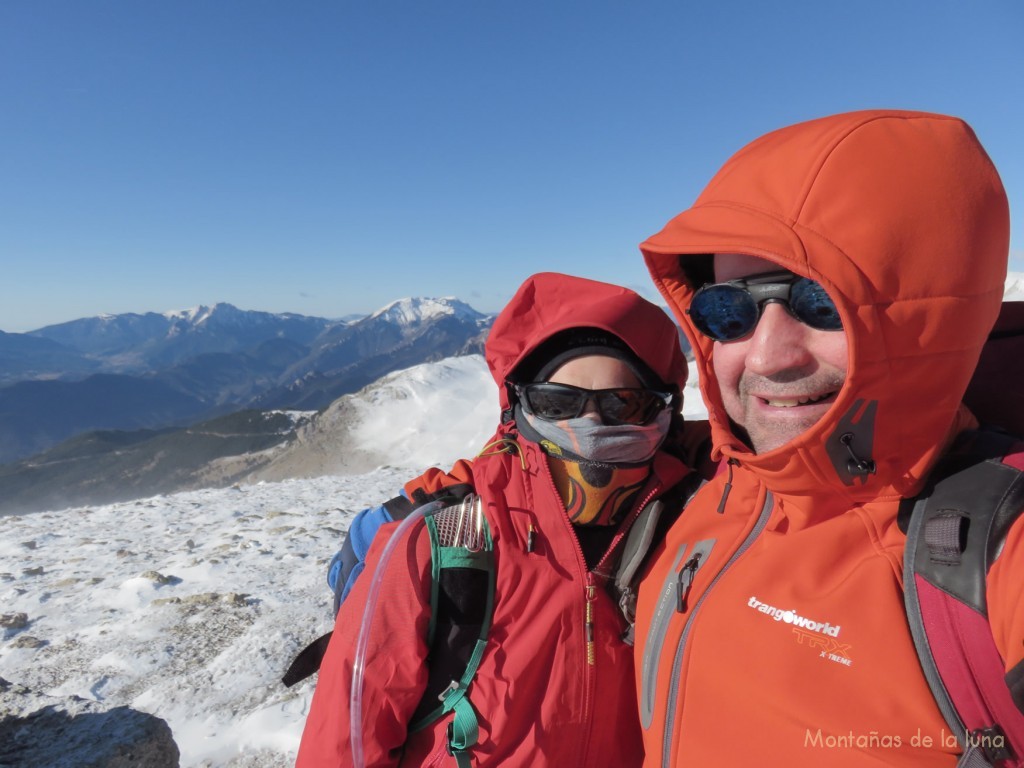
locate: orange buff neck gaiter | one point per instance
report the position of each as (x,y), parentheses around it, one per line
(596,494)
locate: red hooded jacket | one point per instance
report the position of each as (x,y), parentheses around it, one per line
(538,699)
(792,647)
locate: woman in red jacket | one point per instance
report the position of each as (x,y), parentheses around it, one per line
(589,377)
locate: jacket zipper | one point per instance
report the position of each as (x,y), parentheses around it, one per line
(677,662)
(590,595)
(588,620)
(624,529)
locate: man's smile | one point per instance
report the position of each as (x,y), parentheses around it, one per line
(779,401)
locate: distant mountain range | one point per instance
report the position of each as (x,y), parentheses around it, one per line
(153,371)
(99,410)
(430,413)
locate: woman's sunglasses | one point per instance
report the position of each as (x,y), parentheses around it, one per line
(730,311)
(556,402)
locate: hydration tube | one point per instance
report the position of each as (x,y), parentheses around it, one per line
(359,664)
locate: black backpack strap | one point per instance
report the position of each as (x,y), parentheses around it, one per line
(462,606)
(307,662)
(955,531)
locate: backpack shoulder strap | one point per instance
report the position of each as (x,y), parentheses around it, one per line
(462,606)
(649,528)
(954,533)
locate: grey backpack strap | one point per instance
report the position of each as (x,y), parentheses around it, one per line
(638,543)
(641,534)
(973,757)
(650,525)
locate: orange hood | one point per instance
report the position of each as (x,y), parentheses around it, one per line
(549,302)
(901,216)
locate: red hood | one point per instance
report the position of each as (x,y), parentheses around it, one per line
(550,302)
(903,219)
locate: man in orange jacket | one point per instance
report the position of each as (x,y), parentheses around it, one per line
(837,280)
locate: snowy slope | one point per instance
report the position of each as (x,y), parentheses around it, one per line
(1014,287)
(434,413)
(693,405)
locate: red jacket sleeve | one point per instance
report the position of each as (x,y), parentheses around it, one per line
(434,479)
(395,673)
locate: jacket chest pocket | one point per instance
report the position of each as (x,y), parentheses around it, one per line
(675,599)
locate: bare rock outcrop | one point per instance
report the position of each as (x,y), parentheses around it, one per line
(38,730)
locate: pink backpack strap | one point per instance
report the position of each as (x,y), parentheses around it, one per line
(955,532)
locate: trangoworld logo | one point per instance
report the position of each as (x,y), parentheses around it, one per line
(821,636)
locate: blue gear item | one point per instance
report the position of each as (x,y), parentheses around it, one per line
(348,562)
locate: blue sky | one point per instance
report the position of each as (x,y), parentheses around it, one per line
(328,157)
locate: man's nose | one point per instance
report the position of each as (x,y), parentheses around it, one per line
(778,343)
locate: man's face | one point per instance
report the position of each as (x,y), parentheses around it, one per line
(779,380)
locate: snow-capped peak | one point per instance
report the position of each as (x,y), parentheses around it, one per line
(202,313)
(192,316)
(413,311)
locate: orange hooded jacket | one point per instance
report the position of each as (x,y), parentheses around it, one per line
(539,699)
(791,646)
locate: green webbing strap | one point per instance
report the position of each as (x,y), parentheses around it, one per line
(464,729)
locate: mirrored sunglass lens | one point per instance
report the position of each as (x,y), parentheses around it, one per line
(724,312)
(628,406)
(552,403)
(812,305)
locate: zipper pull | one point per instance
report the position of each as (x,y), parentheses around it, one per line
(589,622)
(529,537)
(728,486)
(685,582)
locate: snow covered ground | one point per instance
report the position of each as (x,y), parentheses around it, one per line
(187,606)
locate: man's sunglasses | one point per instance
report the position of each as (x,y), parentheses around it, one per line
(730,311)
(556,402)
